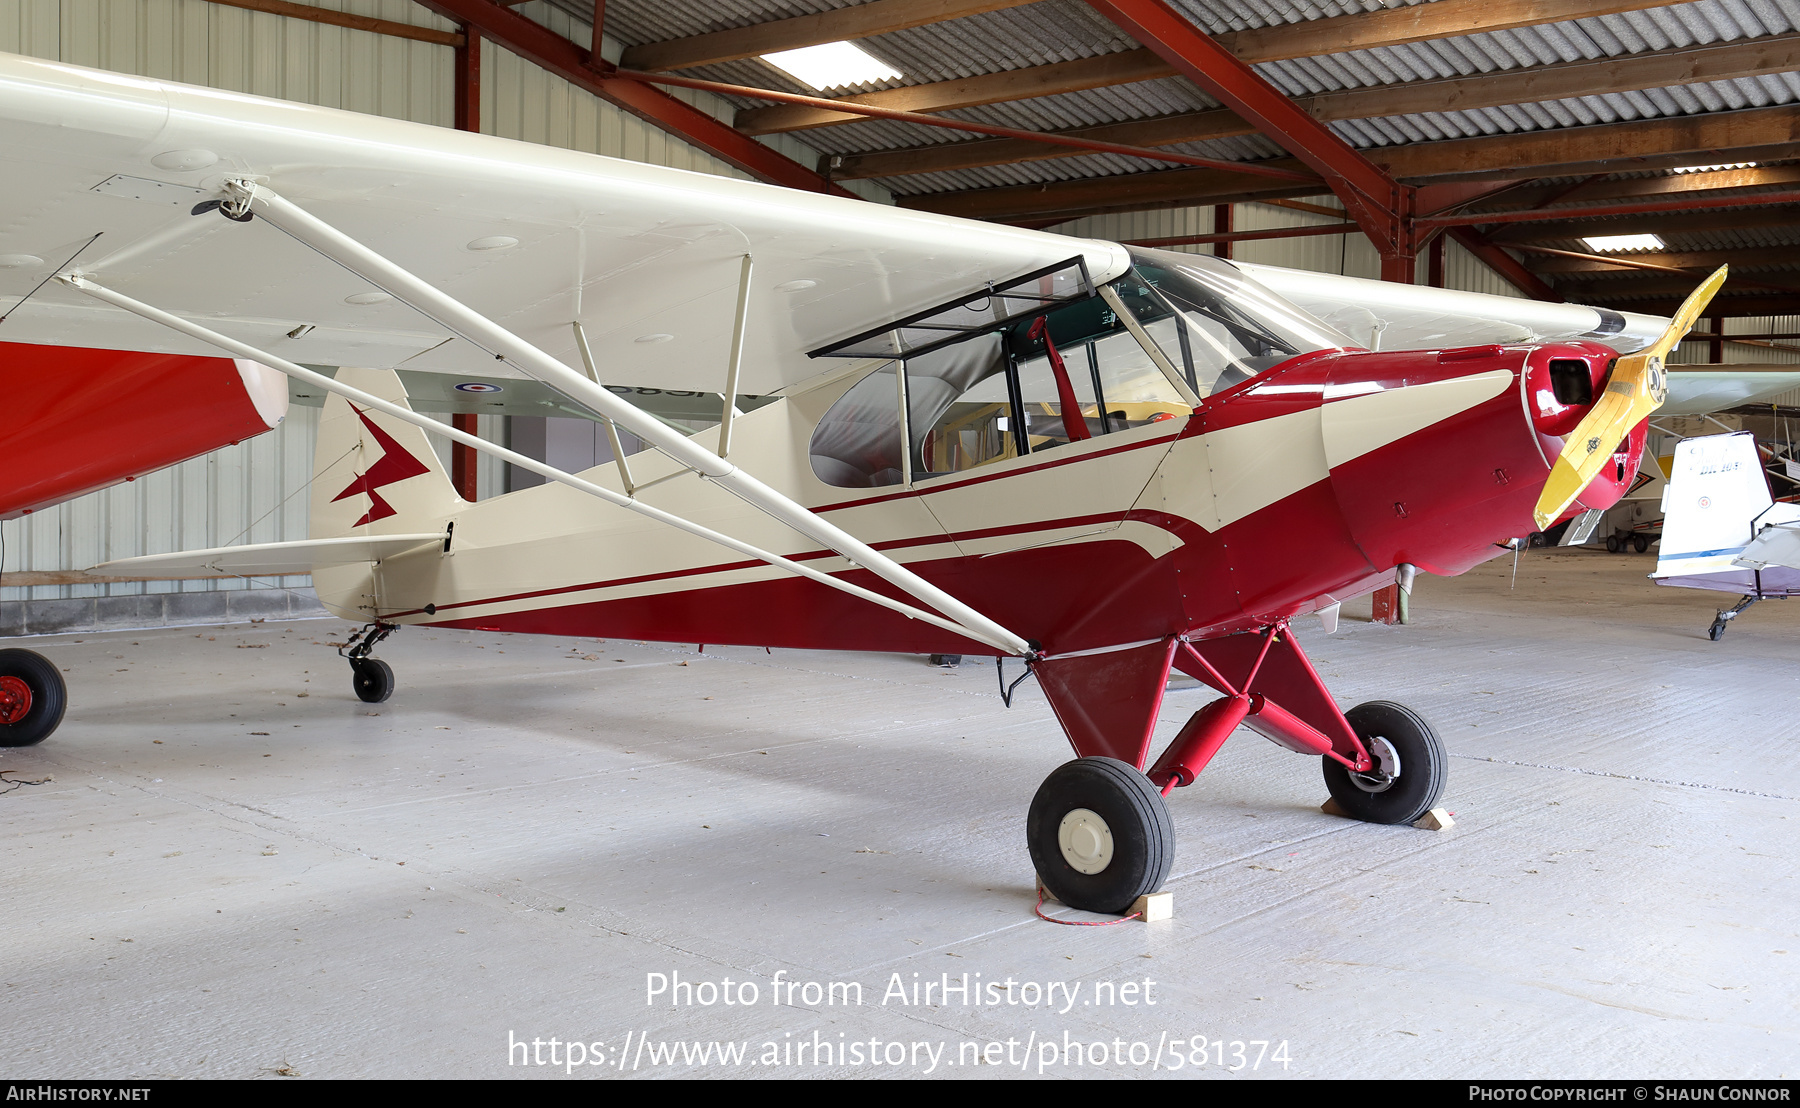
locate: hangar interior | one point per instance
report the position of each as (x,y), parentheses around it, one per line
(1617,869)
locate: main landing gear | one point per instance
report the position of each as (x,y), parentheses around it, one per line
(32,698)
(372,678)
(1099,831)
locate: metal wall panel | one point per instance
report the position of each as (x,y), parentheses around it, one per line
(255,492)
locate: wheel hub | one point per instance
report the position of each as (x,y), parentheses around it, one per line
(15,700)
(1387,767)
(1086,841)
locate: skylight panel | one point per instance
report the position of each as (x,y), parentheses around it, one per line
(1616,243)
(831,66)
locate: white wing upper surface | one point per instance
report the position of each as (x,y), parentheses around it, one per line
(645,257)
(1386,316)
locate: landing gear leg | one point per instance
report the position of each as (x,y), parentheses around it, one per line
(372,678)
(1717,630)
(32,698)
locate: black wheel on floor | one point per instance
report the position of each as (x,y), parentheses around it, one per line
(1612,544)
(1717,630)
(1100,835)
(1410,766)
(1640,543)
(373,680)
(946,661)
(32,698)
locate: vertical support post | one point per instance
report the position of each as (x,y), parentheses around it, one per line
(1222,226)
(1384,605)
(462,458)
(467,78)
(1715,346)
(1435,262)
(595,59)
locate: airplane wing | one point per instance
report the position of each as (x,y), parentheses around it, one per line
(1382,315)
(647,258)
(1697,390)
(266,559)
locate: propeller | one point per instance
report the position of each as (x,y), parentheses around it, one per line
(1637,387)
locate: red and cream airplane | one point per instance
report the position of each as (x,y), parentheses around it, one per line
(984,440)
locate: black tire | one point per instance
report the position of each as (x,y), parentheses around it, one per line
(946,661)
(1639,543)
(1423,768)
(1139,832)
(1716,631)
(43,698)
(1612,544)
(373,680)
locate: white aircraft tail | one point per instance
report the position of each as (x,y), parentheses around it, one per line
(1716,490)
(377,475)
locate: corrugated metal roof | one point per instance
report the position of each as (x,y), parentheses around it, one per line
(1059,30)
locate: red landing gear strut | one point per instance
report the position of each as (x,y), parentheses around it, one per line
(1099,831)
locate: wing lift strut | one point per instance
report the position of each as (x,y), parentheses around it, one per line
(246,198)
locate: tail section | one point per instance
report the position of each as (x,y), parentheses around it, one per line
(376,474)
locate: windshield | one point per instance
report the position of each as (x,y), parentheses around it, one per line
(1215,322)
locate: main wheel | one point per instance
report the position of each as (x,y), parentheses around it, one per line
(32,698)
(1100,835)
(1640,543)
(373,680)
(1613,546)
(1410,766)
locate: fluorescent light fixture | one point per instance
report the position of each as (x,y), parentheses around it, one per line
(1711,168)
(1623,242)
(833,65)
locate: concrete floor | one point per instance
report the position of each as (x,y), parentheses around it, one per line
(239,870)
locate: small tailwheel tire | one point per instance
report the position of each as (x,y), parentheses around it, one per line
(1100,835)
(373,680)
(946,661)
(1612,544)
(1410,766)
(1639,543)
(1717,630)
(32,698)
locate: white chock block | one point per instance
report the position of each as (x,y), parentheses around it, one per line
(1438,819)
(1154,906)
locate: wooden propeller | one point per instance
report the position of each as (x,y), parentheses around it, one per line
(1638,386)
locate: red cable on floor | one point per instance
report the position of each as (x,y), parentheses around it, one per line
(1077,922)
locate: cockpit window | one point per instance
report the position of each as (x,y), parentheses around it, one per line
(1220,326)
(1073,372)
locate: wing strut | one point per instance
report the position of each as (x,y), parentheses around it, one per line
(302,226)
(1004,640)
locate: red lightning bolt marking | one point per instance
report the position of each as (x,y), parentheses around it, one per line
(395,465)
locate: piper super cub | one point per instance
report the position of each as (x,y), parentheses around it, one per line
(1109,463)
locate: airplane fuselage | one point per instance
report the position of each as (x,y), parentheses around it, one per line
(1302,487)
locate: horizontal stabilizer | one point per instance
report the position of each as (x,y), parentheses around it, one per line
(1777,541)
(267,559)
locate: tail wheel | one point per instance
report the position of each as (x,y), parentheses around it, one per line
(32,698)
(1410,766)
(373,680)
(1100,835)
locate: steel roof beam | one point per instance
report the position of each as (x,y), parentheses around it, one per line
(1507,266)
(1333,35)
(1574,265)
(1372,198)
(556,54)
(1658,69)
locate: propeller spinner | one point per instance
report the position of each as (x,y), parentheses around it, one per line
(1638,386)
